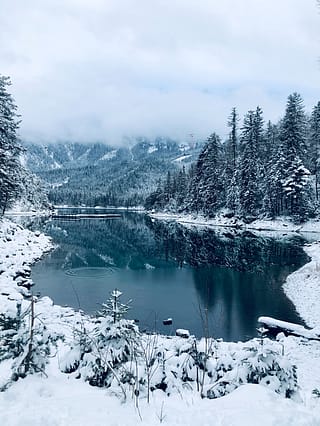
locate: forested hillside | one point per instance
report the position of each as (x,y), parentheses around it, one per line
(97,174)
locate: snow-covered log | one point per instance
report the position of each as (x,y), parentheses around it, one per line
(277,326)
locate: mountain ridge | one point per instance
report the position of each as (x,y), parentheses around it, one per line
(101,174)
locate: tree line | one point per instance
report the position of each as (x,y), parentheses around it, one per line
(262,169)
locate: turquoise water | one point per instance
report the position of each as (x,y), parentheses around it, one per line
(170,271)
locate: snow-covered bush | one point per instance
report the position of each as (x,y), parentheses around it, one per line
(100,355)
(259,364)
(25,340)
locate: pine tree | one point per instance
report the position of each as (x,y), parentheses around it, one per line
(113,307)
(211,187)
(293,129)
(247,175)
(298,190)
(9,147)
(206,187)
(296,185)
(274,173)
(194,202)
(258,131)
(314,145)
(231,158)
(181,188)
(233,137)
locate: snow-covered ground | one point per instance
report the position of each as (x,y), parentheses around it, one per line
(58,399)
(303,288)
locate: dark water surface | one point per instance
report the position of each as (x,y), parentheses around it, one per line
(169,270)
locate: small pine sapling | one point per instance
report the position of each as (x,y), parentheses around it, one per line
(113,307)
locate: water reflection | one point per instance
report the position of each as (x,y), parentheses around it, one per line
(170,271)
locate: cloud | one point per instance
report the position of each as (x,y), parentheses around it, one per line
(100,70)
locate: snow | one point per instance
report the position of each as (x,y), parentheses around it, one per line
(152,149)
(58,399)
(182,158)
(58,402)
(303,287)
(19,210)
(184,147)
(182,332)
(57,185)
(148,266)
(108,155)
(296,329)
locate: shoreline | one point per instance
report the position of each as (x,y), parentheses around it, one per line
(277,225)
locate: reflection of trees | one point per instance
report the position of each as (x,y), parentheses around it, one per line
(124,241)
(242,251)
(236,299)
(136,240)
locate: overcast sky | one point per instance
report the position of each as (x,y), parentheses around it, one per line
(92,70)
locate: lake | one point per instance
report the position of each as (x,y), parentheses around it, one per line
(169,271)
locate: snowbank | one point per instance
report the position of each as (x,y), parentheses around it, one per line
(19,248)
(61,402)
(303,288)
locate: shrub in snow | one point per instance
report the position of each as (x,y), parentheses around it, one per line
(101,354)
(114,344)
(25,340)
(259,364)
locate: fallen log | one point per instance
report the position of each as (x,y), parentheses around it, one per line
(275,326)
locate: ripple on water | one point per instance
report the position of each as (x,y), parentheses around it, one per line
(89,272)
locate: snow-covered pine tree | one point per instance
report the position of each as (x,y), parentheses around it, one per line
(211,187)
(274,173)
(233,136)
(206,188)
(181,187)
(314,146)
(9,147)
(194,202)
(107,352)
(113,307)
(296,185)
(231,156)
(156,199)
(248,171)
(293,128)
(298,190)
(258,132)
